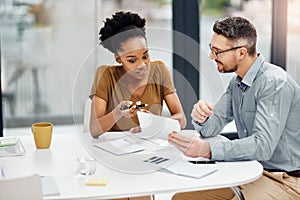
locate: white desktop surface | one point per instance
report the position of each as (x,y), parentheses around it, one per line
(60,162)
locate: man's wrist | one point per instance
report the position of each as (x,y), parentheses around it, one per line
(208,154)
(196,123)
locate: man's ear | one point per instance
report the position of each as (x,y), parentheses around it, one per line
(243,52)
(117,58)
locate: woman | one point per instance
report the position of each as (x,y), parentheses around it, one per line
(136,80)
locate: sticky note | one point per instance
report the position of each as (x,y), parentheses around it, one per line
(96,182)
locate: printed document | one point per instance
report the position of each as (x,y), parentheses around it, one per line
(120,146)
(155,126)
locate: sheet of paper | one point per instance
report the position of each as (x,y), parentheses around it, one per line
(155,126)
(184,168)
(120,146)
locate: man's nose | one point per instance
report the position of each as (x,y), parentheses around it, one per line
(212,55)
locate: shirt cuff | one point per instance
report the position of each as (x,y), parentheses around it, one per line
(201,127)
(197,126)
(216,149)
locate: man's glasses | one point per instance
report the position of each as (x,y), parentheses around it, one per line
(216,53)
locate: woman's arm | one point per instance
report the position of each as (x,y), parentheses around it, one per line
(175,108)
(101,123)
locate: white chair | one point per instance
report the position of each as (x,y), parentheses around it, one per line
(27,187)
(87,115)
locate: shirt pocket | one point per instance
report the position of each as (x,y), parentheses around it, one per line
(248,119)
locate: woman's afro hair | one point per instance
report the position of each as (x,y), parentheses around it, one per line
(119,28)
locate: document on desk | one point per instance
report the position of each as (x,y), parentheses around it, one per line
(184,168)
(155,126)
(120,146)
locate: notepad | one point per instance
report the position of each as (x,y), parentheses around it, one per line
(96,182)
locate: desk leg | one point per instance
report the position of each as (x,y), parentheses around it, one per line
(238,193)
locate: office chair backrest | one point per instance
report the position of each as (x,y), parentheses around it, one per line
(27,187)
(87,115)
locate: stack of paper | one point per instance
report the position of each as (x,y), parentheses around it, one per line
(11,147)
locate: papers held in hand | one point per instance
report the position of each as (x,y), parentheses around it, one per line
(155,126)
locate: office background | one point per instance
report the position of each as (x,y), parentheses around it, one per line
(49,49)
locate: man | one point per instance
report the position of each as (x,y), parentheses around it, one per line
(264,101)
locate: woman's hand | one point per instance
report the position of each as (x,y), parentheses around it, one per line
(144,110)
(135,129)
(125,109)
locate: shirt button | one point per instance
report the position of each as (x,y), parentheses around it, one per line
(245,131)
(271,114)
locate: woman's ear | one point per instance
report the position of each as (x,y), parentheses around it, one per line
(117,58)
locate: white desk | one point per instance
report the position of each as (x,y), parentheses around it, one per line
(60,161)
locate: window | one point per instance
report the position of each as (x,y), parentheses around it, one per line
(50,52)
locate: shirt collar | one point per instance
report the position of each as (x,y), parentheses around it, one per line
(251,73)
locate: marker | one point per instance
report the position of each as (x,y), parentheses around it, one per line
(202,161)
(136,106)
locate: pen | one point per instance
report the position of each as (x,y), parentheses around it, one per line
(141,105)
(136,106)
(202,161)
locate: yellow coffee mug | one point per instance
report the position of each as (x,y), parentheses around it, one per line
(42,133)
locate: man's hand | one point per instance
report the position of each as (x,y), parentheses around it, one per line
(190,146)
(201,111)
